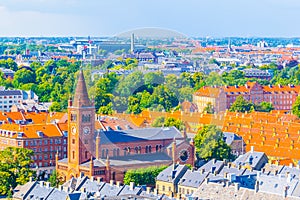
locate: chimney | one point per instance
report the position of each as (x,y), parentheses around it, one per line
(206,180)
(252,149)
(237,187)
(291,165)
(132,185)
(81,175)
(48,185)
(111,182)
(42,183)
(60,188)
(99,179)
(92,178)
(225,175)
(118,183)
(148,190)
(67,189)
(173,174)
(31,179)
(256,187)
(83,190)
(155,191)
(285,191)
(202,171)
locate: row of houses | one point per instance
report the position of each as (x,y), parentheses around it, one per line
(221,98)
(250,176)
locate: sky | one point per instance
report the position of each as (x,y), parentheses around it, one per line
(215,18)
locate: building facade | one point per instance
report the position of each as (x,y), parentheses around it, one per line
(282,97)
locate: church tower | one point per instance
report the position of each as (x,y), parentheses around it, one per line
(81,128)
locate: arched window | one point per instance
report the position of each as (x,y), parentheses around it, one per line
(146,149)
(118,152)
(149,149)
(73,154)
(160,148)
(86,154)
(128,150)
(136,149)
(156,148)
(114,152)
(125,151)
(106,153)
(103,153)
(140,149)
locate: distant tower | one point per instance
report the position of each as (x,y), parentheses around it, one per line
(229,49)
(132,43)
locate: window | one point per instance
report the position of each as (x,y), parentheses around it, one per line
(73,117)
(73,154)
(85,141)
(163,188)
(86,154)
(45,142)
(73,141)
(19,143)
(86,118)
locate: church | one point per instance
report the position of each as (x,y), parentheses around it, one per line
(107,154)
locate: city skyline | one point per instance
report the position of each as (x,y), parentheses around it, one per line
(265,18)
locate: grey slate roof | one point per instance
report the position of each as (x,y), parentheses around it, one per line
(10,92)
(230,137)
(257,159)
(277,184)
(133,135)
(126,190)
(172,174)
(57,194)
(39,191)
(294,171)
(193,178)
(21,192)
(212,165)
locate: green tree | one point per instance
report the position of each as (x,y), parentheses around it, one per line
(264,107)
(241,105)
(23,76)
(55,107)
(296,107)
(209,144)
(169,122)
(54,179)
(106,110)
(14,168)
(143,176)
(209,108)
(158,122)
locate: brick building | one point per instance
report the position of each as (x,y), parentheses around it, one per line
(282,97)
(100,150)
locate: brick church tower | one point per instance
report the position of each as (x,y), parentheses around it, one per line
(81,128)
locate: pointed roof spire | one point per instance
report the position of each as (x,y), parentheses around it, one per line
(81,94)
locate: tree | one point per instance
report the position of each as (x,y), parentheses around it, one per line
(143,176)
(158,122)
(241,105)
(55,107)
(169,122)
(106,110)
(296,107)
(23,76)
(54,179)
(209,108)
(14,168)
(264,107)
(209,144)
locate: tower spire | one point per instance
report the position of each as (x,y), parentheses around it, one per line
(81,97)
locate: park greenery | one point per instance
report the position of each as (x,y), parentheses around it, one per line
(143,176)
(168,122)
(14,168)
(210,144)
(54,81)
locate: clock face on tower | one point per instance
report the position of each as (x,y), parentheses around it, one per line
(73,130)
(184,155)
(86,130)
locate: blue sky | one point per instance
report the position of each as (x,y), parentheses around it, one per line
(216,18)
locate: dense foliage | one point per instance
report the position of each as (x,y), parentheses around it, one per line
(168,122)
(209,144)
(14,168)
(143,176)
